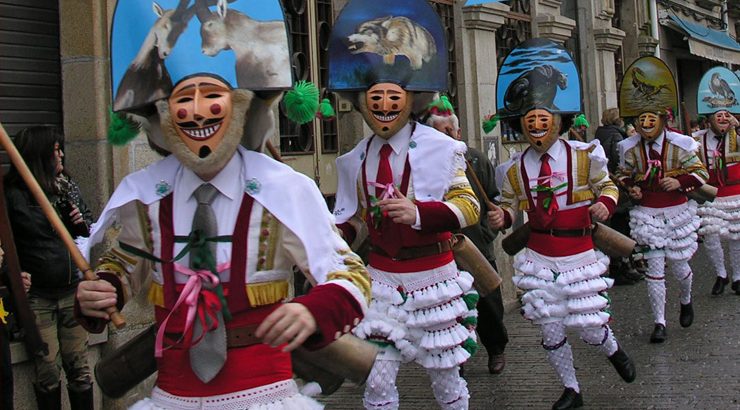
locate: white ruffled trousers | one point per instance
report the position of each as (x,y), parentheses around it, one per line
(428,317)
(563,292)
(670,238)
(720,221)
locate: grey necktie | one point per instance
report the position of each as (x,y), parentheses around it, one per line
(207,357)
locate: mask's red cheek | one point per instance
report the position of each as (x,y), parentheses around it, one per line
(182,113)
(215,109)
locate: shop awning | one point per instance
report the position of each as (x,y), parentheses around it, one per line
(707,42)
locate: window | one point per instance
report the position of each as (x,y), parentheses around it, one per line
(445,10)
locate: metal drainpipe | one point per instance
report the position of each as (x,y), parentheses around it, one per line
(654,25)
(723,15)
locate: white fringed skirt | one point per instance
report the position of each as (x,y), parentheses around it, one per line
(428,316)
(721,217)
(566,288)
(670,231)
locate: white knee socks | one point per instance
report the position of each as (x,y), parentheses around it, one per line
(380,391)
(559,353)
(450,390)
(655,278)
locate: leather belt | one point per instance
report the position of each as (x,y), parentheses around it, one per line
(417,251)
(235,337)
(566,233)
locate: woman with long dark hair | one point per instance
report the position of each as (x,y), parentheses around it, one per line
(54,277)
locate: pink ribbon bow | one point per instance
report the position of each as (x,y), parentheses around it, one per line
(190,295)
(389,190)
(548,178)
(653,163)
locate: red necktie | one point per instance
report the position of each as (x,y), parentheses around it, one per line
(547,215)
(385,172)
(653,154)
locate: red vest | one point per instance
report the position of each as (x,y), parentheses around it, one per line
(245,367)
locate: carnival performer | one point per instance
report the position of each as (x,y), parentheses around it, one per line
(660,166)
(407,183)
(217,229)
(564,187)
(717,99)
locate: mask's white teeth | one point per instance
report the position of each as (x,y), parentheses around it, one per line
(202,133)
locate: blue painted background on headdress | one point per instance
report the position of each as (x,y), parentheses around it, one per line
(353,72)
(719,89)
(133,20)
(538,73)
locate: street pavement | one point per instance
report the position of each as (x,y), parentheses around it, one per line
(696,368)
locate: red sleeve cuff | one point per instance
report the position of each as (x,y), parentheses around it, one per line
(348,232)
(93,324)
(435,216)
(507,220)
(688,181)
(609,203)
(335,310)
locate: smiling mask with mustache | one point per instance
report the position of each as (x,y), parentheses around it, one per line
(386,108)
(720,122)
(649,125)
(202,123)
(541,128)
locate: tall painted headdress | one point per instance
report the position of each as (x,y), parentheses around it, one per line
(388,41)
(719,89)
(538,74)
(155,44)
(648,86)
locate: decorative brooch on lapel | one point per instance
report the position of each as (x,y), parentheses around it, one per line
(163,188)
(253,186)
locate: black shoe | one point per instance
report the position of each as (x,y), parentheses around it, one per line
(736,287)
(719,285)
(624,365)
(687,315)
(496,363)
(659,334)
(568,400)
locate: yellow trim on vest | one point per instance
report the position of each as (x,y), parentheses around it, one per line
(583,163)
(156,294)
(267,293)
(584,195)
(513,175)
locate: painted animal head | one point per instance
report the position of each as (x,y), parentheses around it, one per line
(213,29)
(169,26)
(371,37)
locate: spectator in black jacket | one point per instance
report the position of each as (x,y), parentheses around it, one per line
(490,327)
(42,253)
(610,134)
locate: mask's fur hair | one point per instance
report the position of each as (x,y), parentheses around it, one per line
(208,167)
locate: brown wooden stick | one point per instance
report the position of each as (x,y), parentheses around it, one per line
(274,152)
(51,215)
(491,206)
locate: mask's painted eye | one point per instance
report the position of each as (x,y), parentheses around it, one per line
(376,98)
(184,100)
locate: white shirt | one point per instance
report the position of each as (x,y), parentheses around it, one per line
(230,185)
(658,146)
(400,144)
(558,165)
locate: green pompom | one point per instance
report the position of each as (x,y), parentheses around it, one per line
(442,107)
(469,321)
(326,111)
(489,123)
(122,129)
(470,345)
(471,300)
(581,121)
(302,102)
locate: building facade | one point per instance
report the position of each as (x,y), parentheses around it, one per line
(54,69)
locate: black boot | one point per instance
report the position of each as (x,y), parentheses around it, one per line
(81,400)
(687,315)
(624,365)
(719,285)
(659,334)
(568,400)
(736,287)
(48,400)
